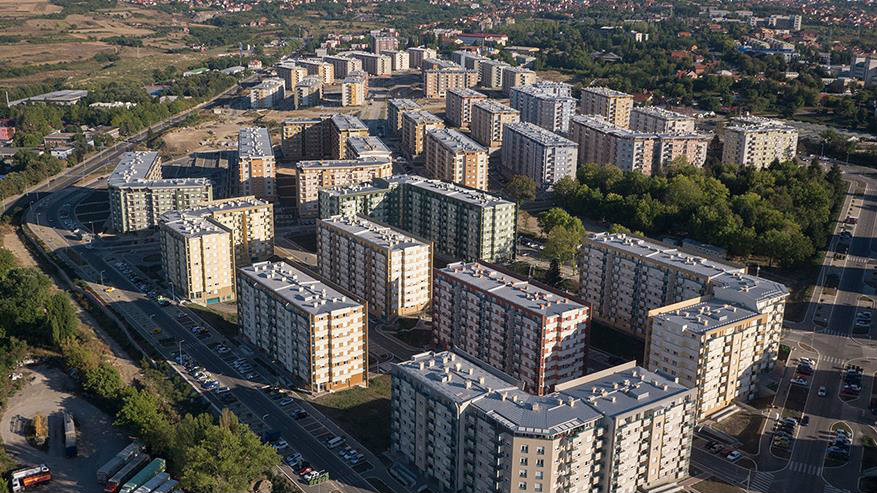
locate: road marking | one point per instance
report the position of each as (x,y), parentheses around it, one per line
(809,469)
(761,481)
(831,489)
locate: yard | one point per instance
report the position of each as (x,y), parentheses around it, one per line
(745,427)
(362,412)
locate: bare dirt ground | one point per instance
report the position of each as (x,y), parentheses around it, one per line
(48,392)
(23,8)
(29,54)
(217,131)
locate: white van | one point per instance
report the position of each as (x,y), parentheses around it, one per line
(334,442)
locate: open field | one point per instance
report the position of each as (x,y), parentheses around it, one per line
(26,8)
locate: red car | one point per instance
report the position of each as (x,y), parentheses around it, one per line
(304,470)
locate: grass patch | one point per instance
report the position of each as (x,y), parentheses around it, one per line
(616,343)
(225,323)
(745,427)
(362,412)
(784,353)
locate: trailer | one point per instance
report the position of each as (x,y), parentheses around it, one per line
(150,471)
(29,477)
(117,462)
(127,472)
(167,487)
(154,483)
(69,435)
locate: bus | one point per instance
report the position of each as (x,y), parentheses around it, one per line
(117,462)
(69,435)
(126,472)
(150,471)
(28,477)
(154,483)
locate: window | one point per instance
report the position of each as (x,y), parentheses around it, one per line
(525,449)
(522,485)
(540,450)
(523,461)
(522,473)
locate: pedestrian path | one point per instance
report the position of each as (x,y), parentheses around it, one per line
(834,360)
(761,481)
(809,469)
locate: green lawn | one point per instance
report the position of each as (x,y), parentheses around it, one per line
(362,412)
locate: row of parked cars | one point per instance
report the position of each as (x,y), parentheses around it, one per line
(784,432)
(852,380)
(806,367)
(840,449)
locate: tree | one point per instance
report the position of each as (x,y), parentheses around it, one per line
(521,188)
(553,217)
(553,276)
(141,412)
(564,241)
(60,317)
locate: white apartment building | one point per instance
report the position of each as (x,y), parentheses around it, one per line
(757,142)
(312,329)
(197,258)
(418,55)
(615,106)
(437,82)
(469,428)
(458,105)
(316,175)
(489,119)
(138,195)
(388,268)
(532,151)
(343,65)
(516,77)
(291,74)
(395,109)
(653,119)
(321,68)
(400,60)
(255,170)
(267,94)
(373,63)
(453,157)
(490,73)
(541,105)
(535,335)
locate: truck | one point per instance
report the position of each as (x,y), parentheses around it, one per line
(69,435)
(154,483)
(150,471)
(117,462)
(167,487)
(127,472)
(40,430)
(29,477)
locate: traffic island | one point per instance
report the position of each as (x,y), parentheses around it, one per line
(838,452)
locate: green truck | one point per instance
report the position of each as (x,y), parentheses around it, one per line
(151,470)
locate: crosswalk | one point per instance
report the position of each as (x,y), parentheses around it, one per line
(761,481)
(834,360)
(839,333)
(855,259)
(809,469)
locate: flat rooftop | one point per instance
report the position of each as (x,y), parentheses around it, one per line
(348,122)
(601,124)
(367,146)
(605,91)
(422,117)
(454,140)
(342,163)
(297,287)
(466,92)
(755,123)
(226,205)
(661,112)
(539,134)
(134,165)
(477,198)
(254,142)
(492,106)
(704,317)
(190,226)
(403,104)
(511,289)
(383,237)
(65,96)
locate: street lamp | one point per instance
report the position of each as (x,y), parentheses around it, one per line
(102,277)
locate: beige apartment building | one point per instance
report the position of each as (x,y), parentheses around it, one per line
(453,157)
(395,109)
(415,125)
(138,195)
(418,55)
(757,142)
(400,60)
(304,138)
(601,142)
(437,64)
(367,147)
(437,82)
(354,89)
(516,77)
(341,128)
(291,74)
(197,258)
(343,66)
(373,63)
(615,106)
(388,268)
(309,92)
(653,119)
(267,94)
(314,176)
(467,427)
(536,335)
(255,169)
(379,43)
(488,120)
(458,105)
(311,328)
(490,73)
(321,68)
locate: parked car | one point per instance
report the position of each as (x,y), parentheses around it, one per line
(799,381)
(734,456)
(822,392)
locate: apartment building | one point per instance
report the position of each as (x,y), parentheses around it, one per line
(437,64)
(532,151)
(468,59)
(461,222)
(343,65)
(367,147)
(601,142)
(197,258)
(453,157)
(255,170)
(615,106)
(515,77)
(536,335)
(354,89)
(373,63)
(488,120)
(308,92)
(388,268)
(490,75)
(312,329)
(437,82)
(653,119)
(400,60)
(138,195)
(320,68)
(267,94)
(316,175)
(415,125)
(291,74)
(545,105)
(304,138)
(757,142)
(468,427)
(382,43)
(458,105)
(395,109)
(418,55)
(341,128)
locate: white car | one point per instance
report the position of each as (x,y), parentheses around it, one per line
(734,456)
(280,444)
(822,392)
(799,381)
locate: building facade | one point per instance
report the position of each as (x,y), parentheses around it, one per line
(341,128)
(458,105)
(308,92)
(490,76)
(415,125)
(516,77)
(313,176)
(343,66)
(653,119)
(373,63)
(313,330)
(541,105)
(382,43)
(437,82)
(255,169)
(354,89)
(267,94)
(324,70)
(386,267)
(400,60)
(757,142)
(395,109)
(615,106)
(453,157)
(489,118)
(418,55)
(291,74)
(197,258)
(303,138)
(532,151)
